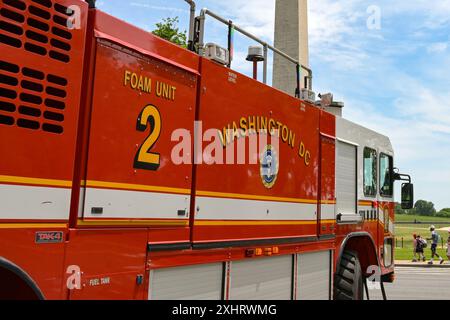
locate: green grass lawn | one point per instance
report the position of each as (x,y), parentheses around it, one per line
(406,254)
(411,218)
(405,231)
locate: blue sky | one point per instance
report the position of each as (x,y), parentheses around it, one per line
(394,80)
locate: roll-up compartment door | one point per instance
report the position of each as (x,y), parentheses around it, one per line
(262,279)
(346,178)
(201,282)
(314,276)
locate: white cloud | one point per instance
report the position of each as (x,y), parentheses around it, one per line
(437,13)
(160,8)
(438,47)
(338,34)
(255,16)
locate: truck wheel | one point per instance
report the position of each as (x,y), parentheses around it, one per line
(348,281)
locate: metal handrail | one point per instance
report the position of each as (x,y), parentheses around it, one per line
(191,24)
(204,12)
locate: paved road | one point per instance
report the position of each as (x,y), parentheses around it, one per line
(414,283)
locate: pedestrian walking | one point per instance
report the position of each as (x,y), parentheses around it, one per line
(414,248)
(448,245)
(421,244)
(434,243)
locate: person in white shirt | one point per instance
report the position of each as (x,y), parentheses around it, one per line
(434,243)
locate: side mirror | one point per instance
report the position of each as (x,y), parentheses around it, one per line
(407,196)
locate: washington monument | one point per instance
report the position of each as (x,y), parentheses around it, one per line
(291,37)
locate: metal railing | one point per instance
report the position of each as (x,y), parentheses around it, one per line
(401,242)
(191,24)
(198,42)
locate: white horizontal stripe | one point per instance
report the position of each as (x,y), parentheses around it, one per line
(238,209)
(34,203)
(327,212)
(134,204)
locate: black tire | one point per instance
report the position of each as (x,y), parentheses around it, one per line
(348,281)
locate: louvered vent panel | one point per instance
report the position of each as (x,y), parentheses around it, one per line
(37,26)
(31,99)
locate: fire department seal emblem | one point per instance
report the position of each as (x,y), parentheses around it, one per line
(269,167)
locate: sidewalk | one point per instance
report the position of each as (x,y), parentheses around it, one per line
(436,264)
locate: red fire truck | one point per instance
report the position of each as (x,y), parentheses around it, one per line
(93,206)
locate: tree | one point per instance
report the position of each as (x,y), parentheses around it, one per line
(444,213)
(425,208)
(399,210)
(168,29)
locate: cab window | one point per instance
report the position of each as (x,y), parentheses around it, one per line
(386,181)
(370,172)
